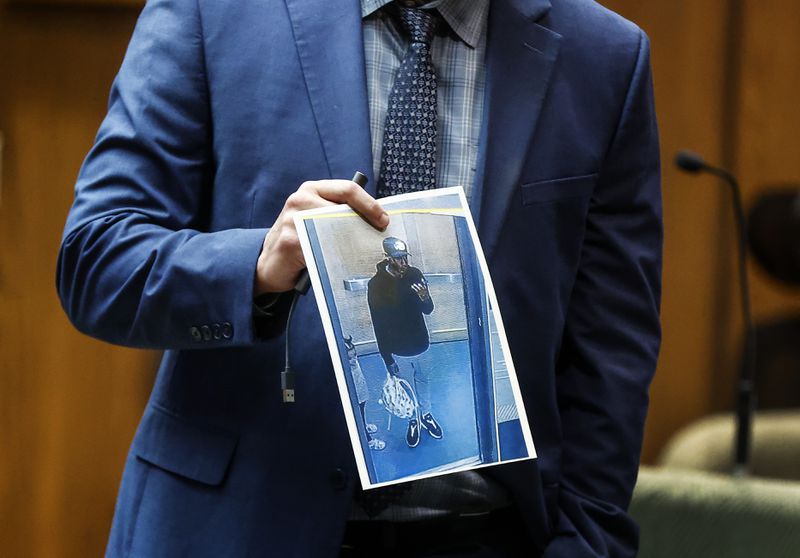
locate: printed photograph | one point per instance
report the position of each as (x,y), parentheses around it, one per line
(416,338)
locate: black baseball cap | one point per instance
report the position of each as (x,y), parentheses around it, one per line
(394,247)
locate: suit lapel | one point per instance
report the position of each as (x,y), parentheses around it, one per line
(520,55)
(330,45)
(520,58)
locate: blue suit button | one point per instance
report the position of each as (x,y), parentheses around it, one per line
(338,478)
(195,333)
(206,332)
(227,330)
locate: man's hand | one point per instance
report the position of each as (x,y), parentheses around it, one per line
(421,289)
(281,259)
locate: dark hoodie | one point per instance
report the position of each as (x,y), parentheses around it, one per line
(396,312)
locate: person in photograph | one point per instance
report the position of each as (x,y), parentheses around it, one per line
(399,298)
(226,119)
(362,395)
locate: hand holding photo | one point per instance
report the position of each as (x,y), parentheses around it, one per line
(416,338)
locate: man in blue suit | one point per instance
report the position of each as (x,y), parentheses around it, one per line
(225,119)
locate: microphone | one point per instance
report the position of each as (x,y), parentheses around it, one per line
(691,162)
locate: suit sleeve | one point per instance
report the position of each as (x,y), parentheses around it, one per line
(137,264)
(611,339)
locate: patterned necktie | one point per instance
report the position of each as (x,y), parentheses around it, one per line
(408,159)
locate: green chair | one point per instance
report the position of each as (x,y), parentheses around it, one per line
(707,445)
(693,514)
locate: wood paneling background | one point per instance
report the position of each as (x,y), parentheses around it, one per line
(726,77)
(688,50)
(68,404)
(767,141)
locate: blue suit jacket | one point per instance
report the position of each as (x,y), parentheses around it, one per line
(220,110)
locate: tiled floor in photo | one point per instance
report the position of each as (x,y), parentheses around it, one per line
(452,404)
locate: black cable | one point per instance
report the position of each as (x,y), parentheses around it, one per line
(287,376)
(301,288)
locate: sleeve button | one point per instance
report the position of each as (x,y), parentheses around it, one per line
(227,330)
(195,333)
(216,330)
(206,332)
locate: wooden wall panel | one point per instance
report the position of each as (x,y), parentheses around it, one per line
(688,49)
(68,404)
(768,138)
(760,148)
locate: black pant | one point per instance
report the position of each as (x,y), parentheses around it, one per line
(500,534)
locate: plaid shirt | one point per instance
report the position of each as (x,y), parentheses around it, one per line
(458,59)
